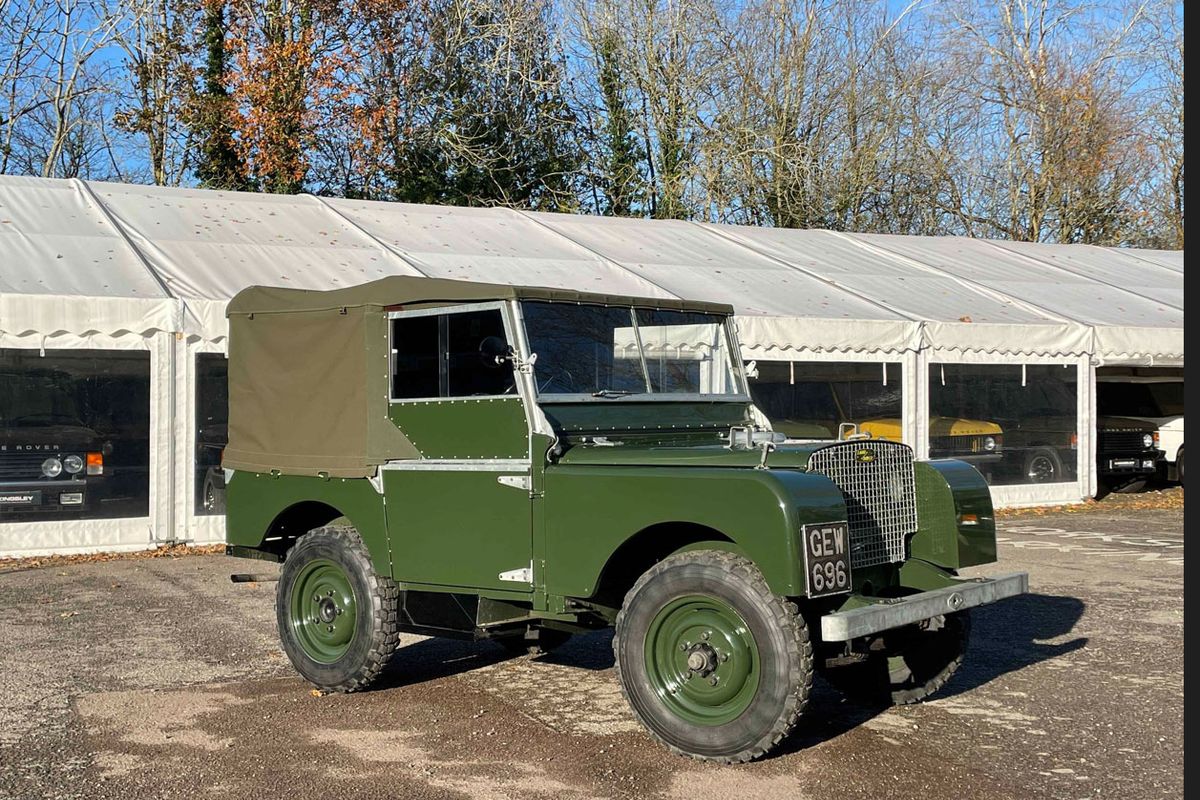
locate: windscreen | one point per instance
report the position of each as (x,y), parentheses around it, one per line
(588,351)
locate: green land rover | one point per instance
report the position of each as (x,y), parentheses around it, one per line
(520,464)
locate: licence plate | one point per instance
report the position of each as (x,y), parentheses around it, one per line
(1124,462)
(30,498)
(826,558)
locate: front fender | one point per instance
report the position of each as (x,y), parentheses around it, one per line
(956,524)
(591,510)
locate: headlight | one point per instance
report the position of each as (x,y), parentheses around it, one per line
(73,464)
(989,443)
(51,467)
(1147,440)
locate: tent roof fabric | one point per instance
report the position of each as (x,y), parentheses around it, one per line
(152,258)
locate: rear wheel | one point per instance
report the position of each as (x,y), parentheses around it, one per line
(213,496)
(912,663)
(714,664)
(337,618)
(1043,465)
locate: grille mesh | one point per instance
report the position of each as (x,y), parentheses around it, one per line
(1129,441)
(880,496)
(22,465)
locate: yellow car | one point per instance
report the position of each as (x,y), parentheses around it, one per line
(976,441)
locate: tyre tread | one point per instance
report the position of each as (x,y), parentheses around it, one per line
(784,613)
(384,596)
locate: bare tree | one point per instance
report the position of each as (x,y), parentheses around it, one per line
(1051,144)
(157,39)
(1159,221)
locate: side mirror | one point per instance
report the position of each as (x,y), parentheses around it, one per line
(494,351)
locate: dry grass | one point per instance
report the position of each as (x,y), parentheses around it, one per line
(173,551)
(1154,500)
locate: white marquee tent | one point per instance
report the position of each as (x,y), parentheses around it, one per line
(107,267)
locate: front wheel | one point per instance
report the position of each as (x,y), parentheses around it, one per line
(1043,465)
(714,664)
(337,618)
(910,663)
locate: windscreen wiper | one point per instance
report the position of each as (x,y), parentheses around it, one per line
(612,393)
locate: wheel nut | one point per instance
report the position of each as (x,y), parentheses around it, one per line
(316,598)
(329,628)
(339,611)
(683,647)
(713,680)
(705,635)
(330,593)
(724,657)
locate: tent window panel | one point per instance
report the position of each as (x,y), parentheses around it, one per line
(1015,423)
(212,431)
(74,434)
(812,399)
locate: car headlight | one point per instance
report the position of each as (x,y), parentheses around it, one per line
(73,464)
(1147,440)
(989,443)
(52,467)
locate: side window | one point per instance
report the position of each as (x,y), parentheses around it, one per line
(415,357)
(450,355)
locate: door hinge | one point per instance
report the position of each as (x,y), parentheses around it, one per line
(516,481)
(522,575)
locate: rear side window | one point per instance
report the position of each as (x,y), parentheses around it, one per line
(450,355)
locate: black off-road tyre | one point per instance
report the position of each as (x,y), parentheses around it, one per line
(375,599)
(773,636)
(212,499)
(1043,465)
(547,641)
(931,659)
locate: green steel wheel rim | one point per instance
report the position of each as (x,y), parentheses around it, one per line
(322,611)
(702,660)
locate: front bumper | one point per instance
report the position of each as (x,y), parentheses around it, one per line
(843,626)
(1130,464)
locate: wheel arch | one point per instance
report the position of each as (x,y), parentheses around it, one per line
(296,520)
(269,513)
(647,547)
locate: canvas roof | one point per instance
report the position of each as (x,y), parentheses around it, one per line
(86,257)
(411,291)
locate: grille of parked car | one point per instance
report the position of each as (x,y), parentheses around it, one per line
(21,465)
(876,481)
(1118,441)
(961,445)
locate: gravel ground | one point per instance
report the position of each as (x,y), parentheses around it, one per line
(158,678)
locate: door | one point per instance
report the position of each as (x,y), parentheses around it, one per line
(460,516)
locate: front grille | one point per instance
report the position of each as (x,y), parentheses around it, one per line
(21,465)
(1122,441)
(960,445)
(880,495)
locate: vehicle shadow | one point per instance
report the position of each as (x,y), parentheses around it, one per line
(431,659)
(1014,634)
(1005,637)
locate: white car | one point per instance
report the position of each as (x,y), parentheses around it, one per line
(1157,400)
